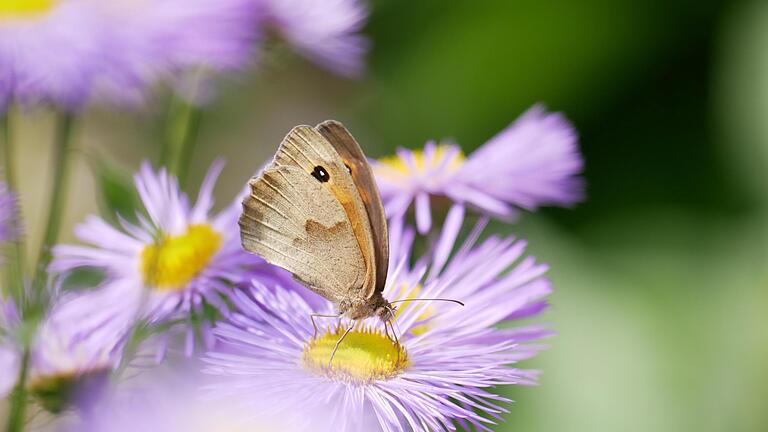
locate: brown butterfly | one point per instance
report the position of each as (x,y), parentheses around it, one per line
(316,212)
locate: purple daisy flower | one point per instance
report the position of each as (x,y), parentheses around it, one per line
(534,162)
(175,261)
(66,52)
(443,369)
(325,31)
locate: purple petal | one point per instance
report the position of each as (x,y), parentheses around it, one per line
(423,213)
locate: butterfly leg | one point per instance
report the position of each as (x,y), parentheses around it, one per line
(397,343)
(393,338)
(386,333)
(314,324)
(338,342)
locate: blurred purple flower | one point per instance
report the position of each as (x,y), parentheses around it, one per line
(440,373)
(169,40)
(77,347)
(173,263)
(325,31)
(9,364)
(77,344)
(67,52)
(84,331)
(10,356)
(8,213)
(533,162)
(52,51)
(172,403)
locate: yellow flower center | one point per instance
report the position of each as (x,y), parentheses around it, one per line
(24,8)
(422,164)
(171,263)
(365,355)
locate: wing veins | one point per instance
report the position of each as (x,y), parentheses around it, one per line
(298,149)
(274,188)
(263,201)
(260,221)
(289,257)
(311,147)
(290,156)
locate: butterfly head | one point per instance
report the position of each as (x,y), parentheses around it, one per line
(374,306)
(386,312)
(381,307)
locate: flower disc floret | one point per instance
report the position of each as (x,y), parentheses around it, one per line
(364,355)
(24,8)
(175,260)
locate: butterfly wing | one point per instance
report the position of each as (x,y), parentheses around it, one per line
(362,174)
(317,172)
(291,221)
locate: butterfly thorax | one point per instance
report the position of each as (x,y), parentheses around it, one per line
(377,305)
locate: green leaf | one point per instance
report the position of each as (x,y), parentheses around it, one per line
(116,191)
(83,278)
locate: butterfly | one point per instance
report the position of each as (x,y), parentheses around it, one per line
(316,212)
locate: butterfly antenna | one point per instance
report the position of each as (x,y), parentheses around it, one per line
(338,342)
(428,299)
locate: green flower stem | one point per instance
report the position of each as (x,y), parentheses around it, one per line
(14,265)
(18,401)
(62,154)
(180,137)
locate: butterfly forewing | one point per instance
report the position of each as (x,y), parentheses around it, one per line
(305,148)
(320,186)
(362,174)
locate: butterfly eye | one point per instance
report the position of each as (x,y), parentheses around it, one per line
(321,174)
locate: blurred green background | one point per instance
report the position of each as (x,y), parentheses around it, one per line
(661,299)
